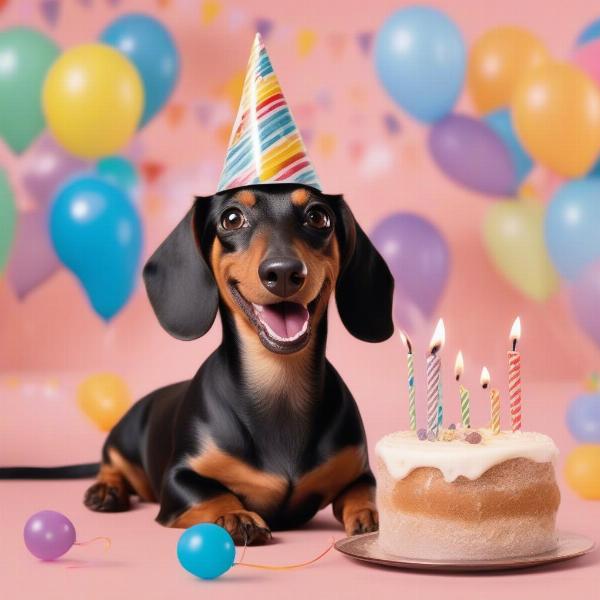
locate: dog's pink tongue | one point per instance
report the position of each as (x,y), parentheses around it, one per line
(286,319)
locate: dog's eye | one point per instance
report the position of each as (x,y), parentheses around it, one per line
(233,219)
(317,218)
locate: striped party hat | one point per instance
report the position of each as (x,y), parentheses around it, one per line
(265,144)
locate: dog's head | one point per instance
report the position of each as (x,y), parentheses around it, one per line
(273,255)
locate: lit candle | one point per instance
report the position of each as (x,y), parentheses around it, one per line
(514,376)
(494,401)
(465,404)
(412,409)
(434,366)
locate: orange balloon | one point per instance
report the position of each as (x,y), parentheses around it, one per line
(104,398)
(582,471)
(497,61)
(556,114)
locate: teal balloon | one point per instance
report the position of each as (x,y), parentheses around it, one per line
(97,234)
(572,226)
(206,550)
(420,59)
(25,58)
(119,171)
(501,123)
(150,47)
(590,33)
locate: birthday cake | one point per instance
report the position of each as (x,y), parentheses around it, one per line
(469,495)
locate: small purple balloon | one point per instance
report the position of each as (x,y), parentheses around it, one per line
(48,534)
(470,152)
(47,166)
(419,259)
(585,300)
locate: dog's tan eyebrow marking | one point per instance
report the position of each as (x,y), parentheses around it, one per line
(246,197)
(300,197)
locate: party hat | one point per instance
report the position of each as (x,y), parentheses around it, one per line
(265,144)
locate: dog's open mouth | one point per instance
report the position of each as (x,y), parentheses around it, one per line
(283,327)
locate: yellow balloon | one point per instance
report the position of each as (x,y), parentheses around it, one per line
(513,234)
(556,113)
(497,61)
(93,100)
(582,471)
(104,398)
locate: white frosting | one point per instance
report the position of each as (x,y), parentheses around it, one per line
(402,452)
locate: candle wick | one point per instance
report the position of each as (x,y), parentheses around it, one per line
(485,386)
(458,378)
(515,345)
(434,350)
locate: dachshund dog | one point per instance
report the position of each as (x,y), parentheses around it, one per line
(266,433)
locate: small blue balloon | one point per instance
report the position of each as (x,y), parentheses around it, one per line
(151,48)
(420,59)
(590,33)
(97,234)
(583,418)
(572,224)
(206,550)
(595,170)
(118,171)
(501,123)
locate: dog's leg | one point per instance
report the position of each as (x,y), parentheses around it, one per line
(355,508)
(110,493)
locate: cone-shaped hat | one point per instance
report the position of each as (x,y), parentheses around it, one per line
(265,144)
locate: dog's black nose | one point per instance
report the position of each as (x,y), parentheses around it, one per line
(282,276)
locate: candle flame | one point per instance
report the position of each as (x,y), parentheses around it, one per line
(485,377)
(459,365)
(406,341)
(438,338)
(515,332)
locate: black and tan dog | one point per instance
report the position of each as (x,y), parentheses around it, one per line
(266,433)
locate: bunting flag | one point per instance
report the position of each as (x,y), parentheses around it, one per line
(50,10)
(174,113)
(264,27)
(391,123)
(151,171)
(209,11)
(364,41)
(305,41)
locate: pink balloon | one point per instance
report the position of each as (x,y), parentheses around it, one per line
(585,300)
(32,258)
(587,57)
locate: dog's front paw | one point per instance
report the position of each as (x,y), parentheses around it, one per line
(103,497)
(363,520)
(245,527)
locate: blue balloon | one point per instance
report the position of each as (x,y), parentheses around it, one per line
(97,234)
(572,226)
(420,59)
(583,418)
(118,171)
(590,33)
(151,48)
(595,170)
(501,123)
(206,550)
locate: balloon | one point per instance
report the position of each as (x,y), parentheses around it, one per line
(48,534)
(585,300)
(418,257)
(583,418)
(420,60)
(104,398)
(497,60)
(591,32)
(582,471)
(120,172)
(7,219)
(151,48)
(501,124)
(556,114)
(46,167)
(206,550)
(407,315)
(572,226)
(513,236)
(25,57)
(97,234)
(469,152)
(97,115)
(32,260)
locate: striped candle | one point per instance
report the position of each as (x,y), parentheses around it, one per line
(514,376)
(412,406)
(495,402)
(465,406)
(433,380)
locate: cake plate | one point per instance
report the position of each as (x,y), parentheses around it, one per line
(365,547)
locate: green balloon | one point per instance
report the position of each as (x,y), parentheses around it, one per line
(25,57)
(8,217)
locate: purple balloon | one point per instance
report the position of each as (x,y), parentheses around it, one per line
(418,257)
(47,166)
(472,154)
(48,534)
(585,300)
(32,258)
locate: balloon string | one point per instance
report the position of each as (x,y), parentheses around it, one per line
(107,542)
(285,567)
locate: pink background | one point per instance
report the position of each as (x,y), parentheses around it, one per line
(53,339)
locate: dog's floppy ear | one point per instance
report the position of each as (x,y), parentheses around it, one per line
(365,286)
(179,283)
